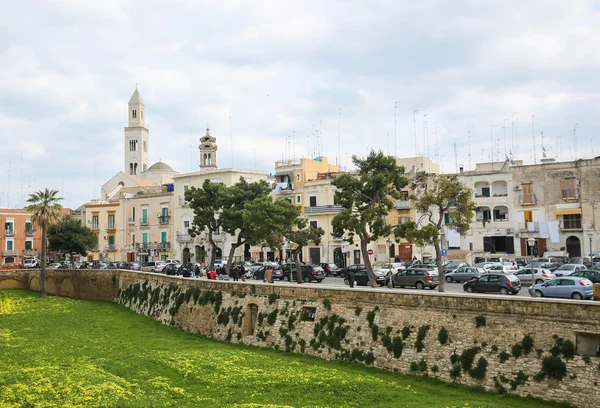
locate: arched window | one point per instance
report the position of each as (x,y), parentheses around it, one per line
(131,169)
(135,169)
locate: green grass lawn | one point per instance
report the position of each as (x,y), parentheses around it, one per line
(61,352)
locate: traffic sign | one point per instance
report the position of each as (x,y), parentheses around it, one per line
(370,252)
(444,251)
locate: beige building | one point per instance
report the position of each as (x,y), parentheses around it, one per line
(107,221)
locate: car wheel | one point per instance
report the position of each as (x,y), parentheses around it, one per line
(538,293)
(576,296)
(469,289)
(539,281)
(152,270)
(503,291)
(319,280)
(306,279)
(342,274)
(346,282)
(419,285)
(390,284)
(449,279)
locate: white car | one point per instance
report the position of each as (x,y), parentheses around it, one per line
(567,269)
(505,269)
(153,266)
(540,275)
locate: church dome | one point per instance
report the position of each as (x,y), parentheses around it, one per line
(160,166)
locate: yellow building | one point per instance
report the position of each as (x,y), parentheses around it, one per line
(106,220)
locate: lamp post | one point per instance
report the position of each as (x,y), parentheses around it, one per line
(591,236)
(389,244)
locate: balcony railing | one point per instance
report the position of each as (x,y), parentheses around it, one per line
(402,205)
(570,194)
(131,221)
(323,209)
(10,252)
(334,238)
(110,227)
(144,221)
(29,232)
(95,247)
(164,245)
(30,252)
(182,238)
(9,233)
(111,247)
(570,225)
(95,227)
(143,245)
(529,227)
(527,199)
(182,202)
(163,220)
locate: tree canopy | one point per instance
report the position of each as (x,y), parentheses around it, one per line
(69,236)
(433,196)
(366,200)
(301,235)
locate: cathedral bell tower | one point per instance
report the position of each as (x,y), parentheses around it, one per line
(208,151)
(136,137)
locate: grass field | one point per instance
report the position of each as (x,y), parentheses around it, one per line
(60,352)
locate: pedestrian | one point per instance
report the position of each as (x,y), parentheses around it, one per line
(397,258)
(211,274)
(235,274)
(351,278)
(268,275)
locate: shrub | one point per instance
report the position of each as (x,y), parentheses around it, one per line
(406,331)
(494,348)
(568,349)
(587,360)
(455,371)
(374,332)
(454,358)
(271,317)
(443,335)
(421,333)
(397,346)
(520,379)
(503,356)
(499,387)
(479,371)
(467,357)
(480,321)
(327,304)
(552,367)
(517,350)
(357,310)
(371,317)
(273,298)
(435,369)
(527,344)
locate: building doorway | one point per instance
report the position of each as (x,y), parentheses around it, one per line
(573,246)
(405,251)
(357,256)
(186,255)
(218,253)
(315,255)
(339,258)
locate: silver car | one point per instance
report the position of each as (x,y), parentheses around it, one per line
(539,276)
(566,287)
(567,269)
(418,277)
(463,274)
(153,266)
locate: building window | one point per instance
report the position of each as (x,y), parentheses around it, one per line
(95,223)
(144,237)
(298,199)
(312,201)
(133,114)
(528,216)
(163,236)
(314,224)
(297,176)
(572,221)
(133,213)
(8,226)
(28,226)
(186,225)
(111,221)
(132,239)
(527,195)
(144,216)
(28,245)
(111,241)
(570,188)
(9,245)
(403,220)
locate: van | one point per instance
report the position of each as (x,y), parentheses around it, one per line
(29,263)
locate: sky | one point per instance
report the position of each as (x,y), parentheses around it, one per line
(268,76)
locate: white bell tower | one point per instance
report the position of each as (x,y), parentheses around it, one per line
(208,151)
(136,137)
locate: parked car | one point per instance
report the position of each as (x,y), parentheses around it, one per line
(330,269)
(186,270)
(521,261)
(361,278)
(418,277)
(564,287)
(354,268)
(593,275)
(309,273)
(585,260)
(544,265)
(453,265)
(567,269)
(30,263)
(277,272)
(154,266)
(539,276)
(463,274)
(507,269)
(170,269)
(11,265)
(131,266)
(392,266)
(494,282)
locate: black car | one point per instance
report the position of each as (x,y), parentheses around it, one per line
(260,272)
(171,269)
(186,269)
(354,268)
(494,282)
(309,273)
(362,279)
(592,274)
(331,269)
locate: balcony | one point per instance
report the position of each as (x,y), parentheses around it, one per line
(402,205)
(164,220)
(110,227)
(9,233)
(323,209)
(529,227)
(111,247)
(143,245)
(527,199)
(164,245)
(10,252)
(334,238)
(183,202)
(184,238)
(29,232)
(131,221)
(30,252)
(144,222)
(570,194)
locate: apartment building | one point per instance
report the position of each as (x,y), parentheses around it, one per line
(19,238)
(106,219)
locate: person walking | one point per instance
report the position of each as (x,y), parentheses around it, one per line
(351,278)
(235,273)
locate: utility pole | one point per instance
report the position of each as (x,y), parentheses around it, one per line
(415,128)
(533,136)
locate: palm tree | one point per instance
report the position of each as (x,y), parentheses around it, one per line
(46,211)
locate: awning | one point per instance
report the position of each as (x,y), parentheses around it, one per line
(567,211)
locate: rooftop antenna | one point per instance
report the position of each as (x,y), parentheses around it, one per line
(415,128)
(395,122)
(533,136)
(558,146)
(294,144)
(388,143)
(437,152)
(339,138)
(21,198)
(492,141)
(512,134)
(504,127)
(8,192)
(570,153)
(320,137)
(542,133)
(231,138)
(575,139)
(425,134)
(517,136)
(455,156)
(191,168)
(469,150)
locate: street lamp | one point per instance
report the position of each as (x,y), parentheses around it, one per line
(590,236)
(389,244)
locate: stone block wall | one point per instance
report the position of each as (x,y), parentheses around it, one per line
(516,345)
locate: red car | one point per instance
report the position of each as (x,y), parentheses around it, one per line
(12,265)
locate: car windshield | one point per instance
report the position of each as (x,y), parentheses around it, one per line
(567,267)
(575,260)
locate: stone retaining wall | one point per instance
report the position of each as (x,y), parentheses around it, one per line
(517,345)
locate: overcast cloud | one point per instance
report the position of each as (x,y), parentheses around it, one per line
(68,68)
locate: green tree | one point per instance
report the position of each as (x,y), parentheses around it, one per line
(366,200)
(301,235)
(45,212)
(69,236)
(207,203)
(235,217)
(435,195)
